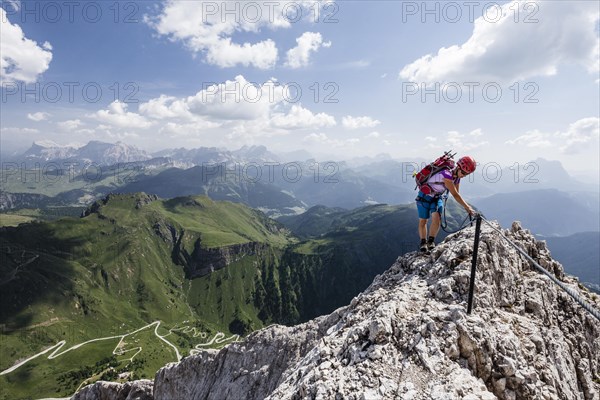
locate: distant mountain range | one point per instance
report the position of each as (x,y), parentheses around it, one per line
(580,256)
(219,183)
(488,179)
(96,152)
(251,175)
(280,185)
(548,212)
(211,155)
(105,154)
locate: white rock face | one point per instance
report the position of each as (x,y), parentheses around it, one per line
(138,390)
(408,337)
(94,152)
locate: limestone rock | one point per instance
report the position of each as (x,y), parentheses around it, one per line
(138,390)
(408,336)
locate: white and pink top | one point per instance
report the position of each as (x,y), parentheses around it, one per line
(436,182)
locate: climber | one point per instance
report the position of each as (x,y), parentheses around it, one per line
(446,180)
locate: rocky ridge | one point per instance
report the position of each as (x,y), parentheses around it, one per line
(96,152)
(408,337)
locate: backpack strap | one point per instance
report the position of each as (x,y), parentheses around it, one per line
(434,199)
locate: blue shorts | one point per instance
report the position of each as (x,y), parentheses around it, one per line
(428,205)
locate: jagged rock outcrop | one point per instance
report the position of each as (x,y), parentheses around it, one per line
(202,261)
(144,199)
(408,337)
(95,152)
(141,199)
(138,390)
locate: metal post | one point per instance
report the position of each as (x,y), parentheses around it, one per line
(474,263)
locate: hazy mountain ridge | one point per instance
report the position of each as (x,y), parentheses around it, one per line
(489,178)
(346,184)
(97,152)
(48,151)
(218,155)
(580,255)
(314,222)
(547,212)
(106,154)
(218,183)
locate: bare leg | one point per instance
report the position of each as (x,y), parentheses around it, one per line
(423,228)
(435,224)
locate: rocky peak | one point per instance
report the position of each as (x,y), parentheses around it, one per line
(111,153)
(408,336)
(255,153)
(140,199)
(93,152)
(46,150)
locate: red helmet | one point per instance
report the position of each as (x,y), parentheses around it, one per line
(467,164)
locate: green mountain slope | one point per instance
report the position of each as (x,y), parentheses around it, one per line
(315,221)
(127,263)
(118,247)
(190,271)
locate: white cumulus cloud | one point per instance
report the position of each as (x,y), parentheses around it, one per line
(204,27)
(559,32)
(166,107)
(299,117)
(261,55)
(174,129)
(323,139)
(22,59)
(533,138)
(38,116)
(308,43)
(69,125)
(581,135)
(457,141)
(241,108)
(254,108)
(237,99)
(350,122)
(118,117)
(209,28)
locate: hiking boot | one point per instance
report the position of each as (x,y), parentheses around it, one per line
(423,248)
(430,246)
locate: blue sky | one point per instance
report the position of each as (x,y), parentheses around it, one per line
(370,61)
